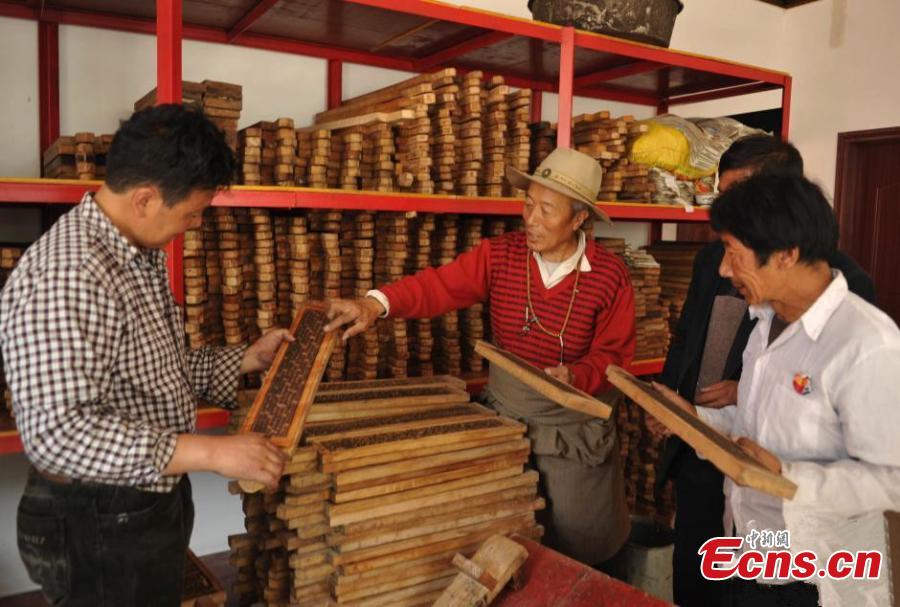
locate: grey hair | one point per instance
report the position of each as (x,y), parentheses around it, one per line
(578,206)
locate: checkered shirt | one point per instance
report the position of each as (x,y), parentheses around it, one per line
(95,356)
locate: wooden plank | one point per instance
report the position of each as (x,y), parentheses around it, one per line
(412,454)
(374,398)
(320,414)
(404,421)
(282,403)
(361,120)
(390,384)
(724,453)
(201,587)
(485,501)
(430,476)
(389,442)
(394,583)
(536,379)
(390,538)
(407,597)
(516,525)
(339,514)
(437,461)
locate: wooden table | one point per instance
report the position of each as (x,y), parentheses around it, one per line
(554,580)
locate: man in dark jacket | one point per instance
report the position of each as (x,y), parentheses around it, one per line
(704,365)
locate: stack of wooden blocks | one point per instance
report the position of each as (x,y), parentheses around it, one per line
(394,478)
(195,288)
(518,140)
(470,155)
(9,257)
(636,183)
(285,152)
(221,102)
(379,152)
(315,146)
(249,301)
(250,154)
(351,158)
(641,452)
(495,134)
(327,226)
(543,141)
(264,268)
(281,226)
(445,116)
(677,262)
(299,240)
(232,276)
(213,329)
(269,134)
(448,357)
(80,157)
(421,336)
(363,349)
(471,319)
(391,252)
(652,326)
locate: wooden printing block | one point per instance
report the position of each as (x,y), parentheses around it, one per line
(720,450)
(282,403)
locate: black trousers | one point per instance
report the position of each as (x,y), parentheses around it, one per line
(747,593)
(699,506)
(103,545)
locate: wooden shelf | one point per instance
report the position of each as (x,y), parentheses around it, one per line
(64,191)
(213,417)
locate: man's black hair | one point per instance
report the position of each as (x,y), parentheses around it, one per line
(761,153)
(777,211)
(176,149)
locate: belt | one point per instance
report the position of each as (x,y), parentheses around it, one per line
(55,478)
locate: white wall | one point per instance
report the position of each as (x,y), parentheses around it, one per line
(843,56)
(19,98)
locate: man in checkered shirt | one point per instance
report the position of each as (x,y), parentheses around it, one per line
(104,389)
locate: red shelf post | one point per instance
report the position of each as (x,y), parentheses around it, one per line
(48,84)
(786,108)
(566,79)
(335,85)
(168,90)
(537,99)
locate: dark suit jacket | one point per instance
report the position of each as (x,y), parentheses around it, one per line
(682,366)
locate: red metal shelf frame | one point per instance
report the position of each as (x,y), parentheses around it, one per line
(62,191)
(212,417)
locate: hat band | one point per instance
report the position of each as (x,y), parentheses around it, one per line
(568,182)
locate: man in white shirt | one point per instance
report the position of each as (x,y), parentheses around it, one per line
(817,399)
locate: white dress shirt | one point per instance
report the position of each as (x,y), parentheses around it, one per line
(552,273)
(823,397)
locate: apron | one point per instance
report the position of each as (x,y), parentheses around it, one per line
(577,457)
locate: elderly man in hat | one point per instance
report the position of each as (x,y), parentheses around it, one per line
(564,304)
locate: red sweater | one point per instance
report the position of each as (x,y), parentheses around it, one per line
(600,331)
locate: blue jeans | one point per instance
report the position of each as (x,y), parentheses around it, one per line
(96,545)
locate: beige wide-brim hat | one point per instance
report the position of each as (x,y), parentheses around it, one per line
(568,172)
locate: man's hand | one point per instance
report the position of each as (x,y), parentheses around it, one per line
(562,373)
(718,395)
(246,457)
(362,313)
(260,355)
(765,457)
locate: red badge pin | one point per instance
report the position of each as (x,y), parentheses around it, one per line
(802,384)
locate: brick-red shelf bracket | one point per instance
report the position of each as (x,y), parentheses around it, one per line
(662,89)
(458,50)
(622,71)
(786,108)
(48,84)
(253,15)
(732,91)
(335,88)
(566,77)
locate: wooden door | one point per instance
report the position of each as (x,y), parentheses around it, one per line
(867,203)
